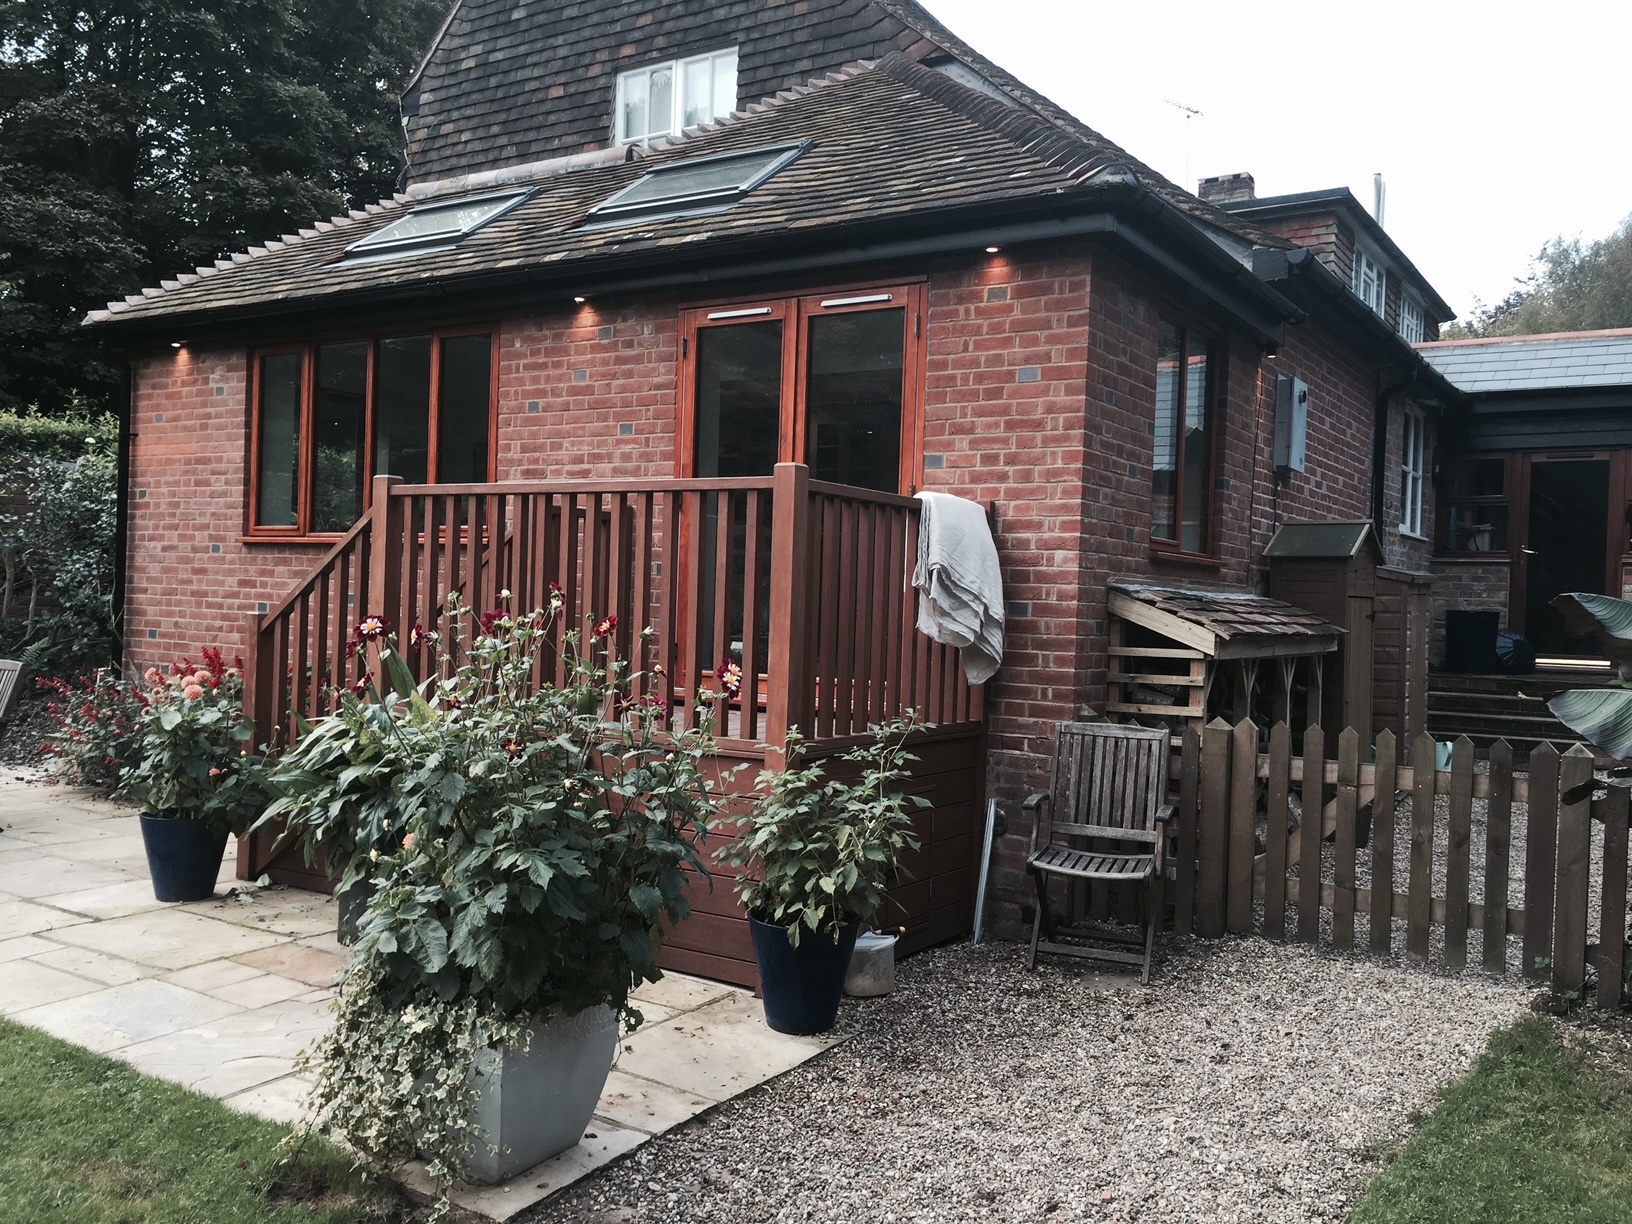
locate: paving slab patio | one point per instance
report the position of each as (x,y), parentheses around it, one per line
(222,995)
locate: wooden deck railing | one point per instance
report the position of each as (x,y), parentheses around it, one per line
(807,585)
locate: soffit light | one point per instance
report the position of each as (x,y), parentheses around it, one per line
(699,184)
(437,225)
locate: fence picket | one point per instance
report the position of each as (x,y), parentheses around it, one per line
(1540,851)
(1348,796)
(1574,869)
(1460,828)
(1419,907)
(1213,832)
(1243,818)
(1382,848)
(1275,831)
(1498,837)
(1612,922)
(1314,769)
(1189,814)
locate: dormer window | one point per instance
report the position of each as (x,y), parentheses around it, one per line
(663,98)
(1370,281)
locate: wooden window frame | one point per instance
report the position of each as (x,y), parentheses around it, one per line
(1217,372)
(795,313)
(1446,500)
(1413,476)
(301,530)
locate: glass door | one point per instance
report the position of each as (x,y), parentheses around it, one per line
(1566,546)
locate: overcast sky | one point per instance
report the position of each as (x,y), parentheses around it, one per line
(1495,126)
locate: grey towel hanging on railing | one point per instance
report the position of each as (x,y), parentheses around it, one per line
(959,582)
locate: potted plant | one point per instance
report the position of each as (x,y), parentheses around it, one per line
(190,774)
(813,862)
(529,848)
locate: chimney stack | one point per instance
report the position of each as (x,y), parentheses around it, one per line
(1227,188)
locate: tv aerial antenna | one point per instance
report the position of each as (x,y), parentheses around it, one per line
(1190,113)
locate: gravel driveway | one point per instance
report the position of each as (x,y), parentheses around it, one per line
(1251,1081)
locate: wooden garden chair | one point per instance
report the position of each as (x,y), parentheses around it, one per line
(1105,821)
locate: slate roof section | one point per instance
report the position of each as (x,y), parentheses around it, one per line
(893,142)
(481,100)
(1563,362)
(1234,617)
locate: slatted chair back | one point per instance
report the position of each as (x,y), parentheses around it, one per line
(11,688)
(1109,780)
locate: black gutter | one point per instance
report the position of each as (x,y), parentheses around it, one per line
(1144,226)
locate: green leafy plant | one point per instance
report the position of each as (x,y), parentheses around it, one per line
(528,843)
(818,852)
(190,761)
(99,727)
(1601,716)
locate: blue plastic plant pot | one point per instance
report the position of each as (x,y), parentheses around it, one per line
(183,857)
(801,987)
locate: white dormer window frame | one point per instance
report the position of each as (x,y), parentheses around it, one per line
(664,98)
(1413,327)
(1370,281)
(1413,471)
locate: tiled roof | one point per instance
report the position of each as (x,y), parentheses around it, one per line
(1566,361)
(891,141)
(510,82)
(1230,616)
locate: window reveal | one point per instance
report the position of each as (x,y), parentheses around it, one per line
(328,417)
(1181,470)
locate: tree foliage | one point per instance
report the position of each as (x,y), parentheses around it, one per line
(1571,286)
(141,138)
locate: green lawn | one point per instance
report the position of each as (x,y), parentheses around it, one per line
(1540,1130)
(86,1140)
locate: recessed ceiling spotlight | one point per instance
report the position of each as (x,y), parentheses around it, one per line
(175,344)
(580,299)
(993,250)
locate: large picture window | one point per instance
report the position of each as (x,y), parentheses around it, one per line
(1182,468)
(833,381)
(329,416)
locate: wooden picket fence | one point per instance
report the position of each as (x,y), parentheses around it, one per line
(1572,839)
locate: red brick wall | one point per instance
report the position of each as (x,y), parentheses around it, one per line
(191,583)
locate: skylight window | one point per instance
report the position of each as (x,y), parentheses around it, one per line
(440,224)
(702,183)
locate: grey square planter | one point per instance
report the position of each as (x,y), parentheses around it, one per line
(535,1105)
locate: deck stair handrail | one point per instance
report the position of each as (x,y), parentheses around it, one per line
(806,584)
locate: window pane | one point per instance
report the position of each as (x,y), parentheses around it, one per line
(725,83)
(1197,458)
(660,112)
(1164,509)
(739,399)
(339,421)
(1477,478)
(402,409)
(633,88)
(278,483)
(463,409)
(1475,528)
(697,101)
(853,398)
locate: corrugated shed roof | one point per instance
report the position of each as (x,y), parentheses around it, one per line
(1322,540)
(1535,363)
